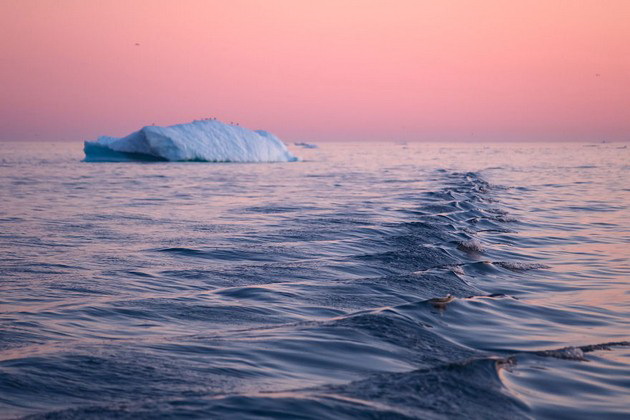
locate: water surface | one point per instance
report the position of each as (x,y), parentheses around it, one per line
(387,280)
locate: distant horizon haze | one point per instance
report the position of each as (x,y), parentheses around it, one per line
(372,70)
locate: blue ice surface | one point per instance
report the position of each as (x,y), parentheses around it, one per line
(201,141)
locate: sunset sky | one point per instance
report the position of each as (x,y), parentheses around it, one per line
(318,70)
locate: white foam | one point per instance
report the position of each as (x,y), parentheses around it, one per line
(520,266)
(471,245)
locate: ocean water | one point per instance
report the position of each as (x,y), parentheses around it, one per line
(368,281)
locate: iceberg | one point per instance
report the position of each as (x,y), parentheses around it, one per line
(200,141)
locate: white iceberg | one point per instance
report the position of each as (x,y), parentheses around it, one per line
(202,141)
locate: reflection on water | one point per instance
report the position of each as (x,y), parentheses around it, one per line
(419,281)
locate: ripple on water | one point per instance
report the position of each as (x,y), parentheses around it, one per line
(313,291)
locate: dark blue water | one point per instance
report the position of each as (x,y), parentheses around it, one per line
(380,281)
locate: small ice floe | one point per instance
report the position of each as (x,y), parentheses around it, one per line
(306,145)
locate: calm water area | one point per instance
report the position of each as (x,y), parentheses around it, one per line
(372,280)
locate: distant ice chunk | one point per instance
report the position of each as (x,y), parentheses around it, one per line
(306,145)
(203,141)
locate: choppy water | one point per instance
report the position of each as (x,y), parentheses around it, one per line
(317,289)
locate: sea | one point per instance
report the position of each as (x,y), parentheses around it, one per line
(368,280)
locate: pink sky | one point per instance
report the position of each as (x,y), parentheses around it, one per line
(318,70)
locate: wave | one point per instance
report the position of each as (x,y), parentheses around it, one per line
(317,313)
(578,352)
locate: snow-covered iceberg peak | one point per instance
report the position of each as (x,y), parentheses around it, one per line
(206,141)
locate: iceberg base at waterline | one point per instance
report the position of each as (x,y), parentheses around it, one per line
(198,141)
